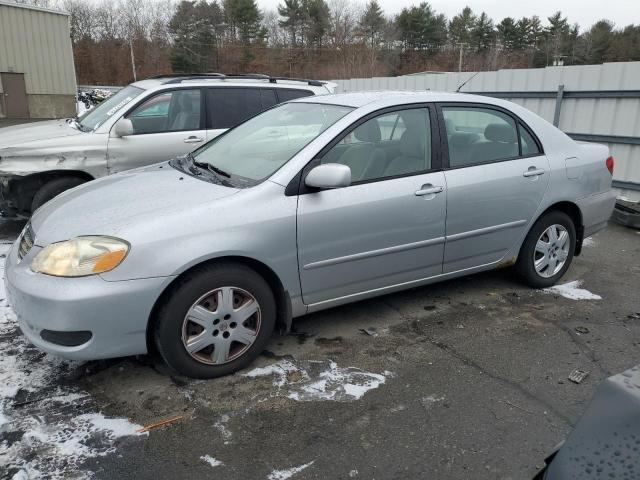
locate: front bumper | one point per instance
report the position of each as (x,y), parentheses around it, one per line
(116,313)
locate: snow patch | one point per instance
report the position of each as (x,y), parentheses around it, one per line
(588,242)
(572,291)
(211,461)
(49,426)
(319,380)
(288,473)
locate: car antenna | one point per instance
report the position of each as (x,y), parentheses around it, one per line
(467,81)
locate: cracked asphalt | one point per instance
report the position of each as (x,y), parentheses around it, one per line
(477,387)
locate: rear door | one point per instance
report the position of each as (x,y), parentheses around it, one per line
(228,106)
(387,227)
(165,125)
(496,174)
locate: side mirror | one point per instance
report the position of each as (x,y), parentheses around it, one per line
(123,128)
(329,175)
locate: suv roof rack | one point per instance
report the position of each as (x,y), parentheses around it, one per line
(181,77)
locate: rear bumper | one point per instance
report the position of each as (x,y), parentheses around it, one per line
(596,211)
(115,314)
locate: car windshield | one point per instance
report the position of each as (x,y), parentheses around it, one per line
(93,118)
(257,148)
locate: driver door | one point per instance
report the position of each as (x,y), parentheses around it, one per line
(386,228)
(165,125)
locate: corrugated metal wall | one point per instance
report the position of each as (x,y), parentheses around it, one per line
(37,43)
(600,110)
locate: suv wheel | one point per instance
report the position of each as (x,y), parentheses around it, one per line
(52,189)
(547,250)
(216,321)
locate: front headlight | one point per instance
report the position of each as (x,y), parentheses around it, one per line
(80,256)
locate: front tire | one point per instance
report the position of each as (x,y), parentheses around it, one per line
(52,189)
(215,321)
(547,251)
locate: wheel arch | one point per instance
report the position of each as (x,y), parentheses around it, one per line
(573,211)
(283,301)
(24,189)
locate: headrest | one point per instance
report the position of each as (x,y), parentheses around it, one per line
(368,132)
(185,103)
(451,126)
(412,144)
(500,132)
(461,139)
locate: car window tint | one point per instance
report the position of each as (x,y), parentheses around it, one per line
(227,107)
(173,111)
(479,135)
(268,98)
(388,145)
(529,145)
(286,94)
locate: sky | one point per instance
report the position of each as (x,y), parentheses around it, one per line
(583,12)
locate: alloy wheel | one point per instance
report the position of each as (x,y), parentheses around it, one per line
(221,325)
(551,251)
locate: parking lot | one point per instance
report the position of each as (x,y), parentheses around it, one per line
(463,379)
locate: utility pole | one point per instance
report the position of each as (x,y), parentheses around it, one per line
(461,45)
(133,62)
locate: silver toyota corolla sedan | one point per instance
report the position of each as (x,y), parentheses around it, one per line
(315,203)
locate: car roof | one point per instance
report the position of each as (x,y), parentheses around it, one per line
(382,98)
(153,83)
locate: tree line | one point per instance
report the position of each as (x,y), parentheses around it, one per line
(113,40)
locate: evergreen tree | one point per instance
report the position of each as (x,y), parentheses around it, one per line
(509,33)
(193,28)
(372,23)
(292,12)
(316,19)
(420,28)
(483,33)
(461,26)
(245,20)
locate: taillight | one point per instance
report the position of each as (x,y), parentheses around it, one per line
(610,164)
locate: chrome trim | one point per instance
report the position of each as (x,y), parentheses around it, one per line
(27,241)
(483,231)
(374,253)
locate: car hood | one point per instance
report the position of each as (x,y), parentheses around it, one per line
(28,132)
(127,200)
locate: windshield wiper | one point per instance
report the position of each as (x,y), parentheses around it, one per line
(209,167)
(218,172)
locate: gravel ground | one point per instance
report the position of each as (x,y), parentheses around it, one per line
(464,379)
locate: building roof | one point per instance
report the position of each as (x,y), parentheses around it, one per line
(32,7)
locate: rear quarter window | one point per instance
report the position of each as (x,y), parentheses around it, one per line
(286,94)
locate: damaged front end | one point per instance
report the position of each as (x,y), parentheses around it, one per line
(15,194)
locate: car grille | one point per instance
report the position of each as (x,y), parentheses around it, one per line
(26,242)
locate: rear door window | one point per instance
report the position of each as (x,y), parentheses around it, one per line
(477,135)
(227,107)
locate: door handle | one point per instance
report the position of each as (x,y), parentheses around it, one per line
(533,172)
(193,139)
(428,189)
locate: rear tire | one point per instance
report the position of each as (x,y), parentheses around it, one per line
(215,321)
(52,189)
(547,251)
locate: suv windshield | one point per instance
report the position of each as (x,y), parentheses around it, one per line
(257,148)
(97,116)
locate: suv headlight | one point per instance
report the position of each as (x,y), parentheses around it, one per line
(80,256)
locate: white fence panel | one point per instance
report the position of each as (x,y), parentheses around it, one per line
(600,103)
